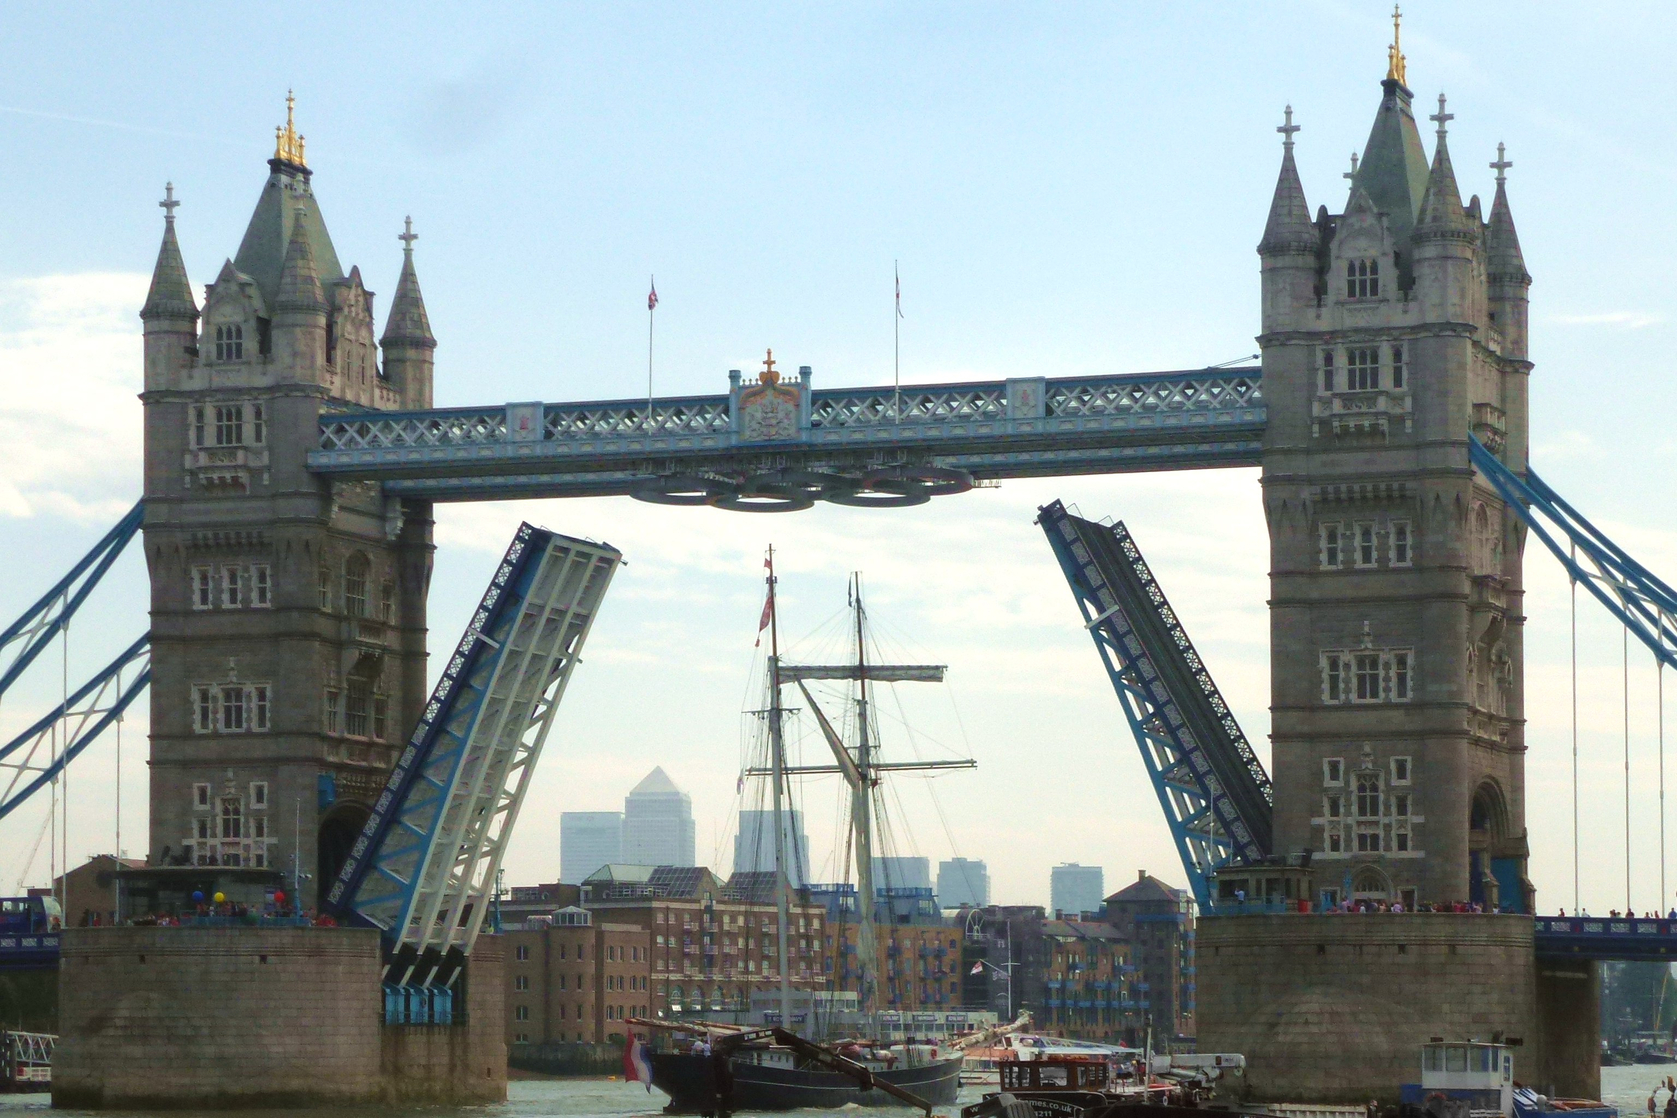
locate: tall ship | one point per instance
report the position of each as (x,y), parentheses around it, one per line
(730,1068)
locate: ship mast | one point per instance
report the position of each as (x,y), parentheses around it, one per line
(861,821)
(777,743)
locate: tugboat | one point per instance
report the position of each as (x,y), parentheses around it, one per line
(730,1068)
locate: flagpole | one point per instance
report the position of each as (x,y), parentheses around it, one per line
(651,309)
(897,350)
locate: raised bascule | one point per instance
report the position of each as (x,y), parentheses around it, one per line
(292,463)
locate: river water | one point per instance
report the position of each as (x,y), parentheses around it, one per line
(1626,1088)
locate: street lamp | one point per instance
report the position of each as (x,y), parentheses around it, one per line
(1005,971)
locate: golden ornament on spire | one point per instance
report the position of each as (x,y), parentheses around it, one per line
(769,375)
(1394,53)
(288,146)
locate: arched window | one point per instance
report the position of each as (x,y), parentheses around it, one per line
(1362,279)
(357,568)
(230,342)
(1368,796)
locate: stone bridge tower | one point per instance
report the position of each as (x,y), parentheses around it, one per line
(1390,331)
(287,613)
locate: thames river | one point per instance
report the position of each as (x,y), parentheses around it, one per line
(1626,1088)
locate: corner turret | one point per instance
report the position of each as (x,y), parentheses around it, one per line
(1291,241)
(1505,266)
(408,342)
(300,312)
(170,313)
(1446,240)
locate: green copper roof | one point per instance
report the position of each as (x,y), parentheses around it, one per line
(1393,171)
(261,254)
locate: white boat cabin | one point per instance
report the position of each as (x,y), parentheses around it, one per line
(1460,1066)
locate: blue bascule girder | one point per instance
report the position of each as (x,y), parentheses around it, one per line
(867,446)
(1644,604)
(51,614)
(85,714)
(423,868)
(1214,791)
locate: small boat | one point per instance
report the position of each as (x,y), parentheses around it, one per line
(1470,1077)
(1075,1086)
(776,1078)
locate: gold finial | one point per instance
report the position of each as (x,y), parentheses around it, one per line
(768,375)
(1394,53)
(288,146)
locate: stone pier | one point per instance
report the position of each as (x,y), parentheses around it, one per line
(238,1018)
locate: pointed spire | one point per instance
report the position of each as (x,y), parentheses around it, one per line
(1394,53)
(408,323)
(1441,205)
(299,282)
(171,292)
(1289,228)
(1506,263)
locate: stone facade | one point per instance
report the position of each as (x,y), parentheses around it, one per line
(287,613)
(1334,1008)
(184,1018)
(576,979)
(1390,332)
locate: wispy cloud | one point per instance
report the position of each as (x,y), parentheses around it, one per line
(1628,320)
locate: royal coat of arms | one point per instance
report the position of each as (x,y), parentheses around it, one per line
(768,410)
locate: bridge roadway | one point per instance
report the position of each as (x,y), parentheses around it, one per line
(1019,427)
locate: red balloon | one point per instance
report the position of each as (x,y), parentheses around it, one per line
(279,898)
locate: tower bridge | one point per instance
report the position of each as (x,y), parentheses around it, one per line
(292,461)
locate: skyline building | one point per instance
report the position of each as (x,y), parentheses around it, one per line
(1075,889)
(587,841)
(963,881)
(902,872)
(658,823)
(754,844)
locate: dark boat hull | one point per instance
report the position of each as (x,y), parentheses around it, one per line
(687,1080)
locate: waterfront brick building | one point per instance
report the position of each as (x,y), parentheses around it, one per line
(1158,922)
(713,943)
(1093,990)
(572,978)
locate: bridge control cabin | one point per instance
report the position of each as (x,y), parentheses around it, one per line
(1274,885)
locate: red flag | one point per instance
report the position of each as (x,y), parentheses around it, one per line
(763,622)
(636,1067)
(652,299)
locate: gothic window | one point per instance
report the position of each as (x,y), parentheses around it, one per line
(1333,771)
(230,342)
(1362,279)
(203,710)
(259,794)
(1335,807)
(258,426)
(1368,840)
(1400,805)
(1327,370)
(326,588)
(259,707)
(356,569)
(1367,556)
(261,586)
(387,601)
(1362,369)
(199,420)
(231,587)
(232,818)
(203,588)
(232,709)
(332,712)
(356,709)
(1333,677)
(381,716)
(229,425)
(1331,555)
(1368,677)
(1400,677)
(1399,369)
(201,796)
(1400,770)
(1368,796)
(1400,543)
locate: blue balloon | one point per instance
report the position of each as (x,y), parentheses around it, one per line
(197,897)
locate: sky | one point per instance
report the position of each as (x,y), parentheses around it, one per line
(1065,188)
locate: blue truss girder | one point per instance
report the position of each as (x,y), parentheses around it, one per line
(423,867)
(1642,602)
(1214,791)
(1020,427)
(53,611)
(86,713)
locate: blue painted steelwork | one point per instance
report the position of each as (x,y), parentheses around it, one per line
(1020,427)
(1215,793)
(49,616)
(423,867)
(107,688)
(29,928)
(1605,937)
(1644,604)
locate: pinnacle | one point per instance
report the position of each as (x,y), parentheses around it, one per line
(1289,228)
(299,283)
(1502,242)
(1441,204)
(170,295)
(408,323)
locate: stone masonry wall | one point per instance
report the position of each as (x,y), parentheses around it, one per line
(188,1018)
(1335,1007)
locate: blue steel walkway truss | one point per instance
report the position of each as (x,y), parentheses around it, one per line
(423,868)
(1214,790)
